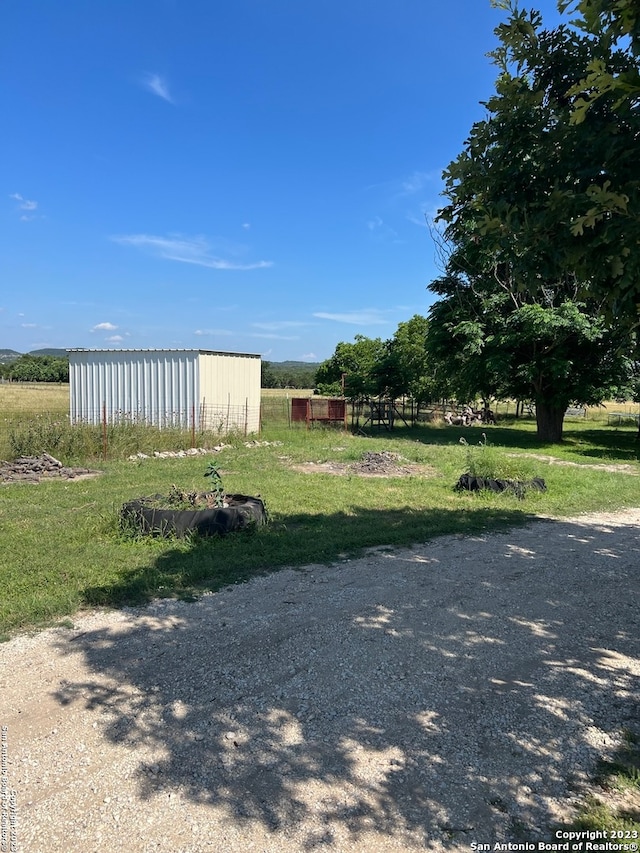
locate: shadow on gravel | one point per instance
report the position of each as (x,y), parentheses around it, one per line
(296,540)
(454,692)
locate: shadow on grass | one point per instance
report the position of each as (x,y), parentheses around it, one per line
(442,695)
(615,799)
(604,443)
(607,444)
(293,540)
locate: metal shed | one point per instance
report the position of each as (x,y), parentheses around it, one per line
(191,388)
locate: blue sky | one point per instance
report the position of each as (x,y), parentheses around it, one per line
(249,176)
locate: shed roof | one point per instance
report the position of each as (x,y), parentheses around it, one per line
(161,349)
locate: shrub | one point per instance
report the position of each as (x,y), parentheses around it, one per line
(495,464)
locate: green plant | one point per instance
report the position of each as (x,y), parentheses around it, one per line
(494,463)
(213,471)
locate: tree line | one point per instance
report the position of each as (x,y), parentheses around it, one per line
(288,374)
(36,368)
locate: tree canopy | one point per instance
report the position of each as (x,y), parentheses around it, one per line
(37,368)
(357,363)
(617,22)
(532,252)
(404,369)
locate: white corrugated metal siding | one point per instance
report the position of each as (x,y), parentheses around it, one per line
(189,388)
(158,387)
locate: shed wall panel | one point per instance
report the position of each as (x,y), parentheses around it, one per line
(151,386)
(230,391)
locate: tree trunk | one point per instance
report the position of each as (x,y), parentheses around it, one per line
(549,420)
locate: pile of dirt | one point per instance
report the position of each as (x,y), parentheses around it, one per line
(382,464)
(372,464)
(32,469)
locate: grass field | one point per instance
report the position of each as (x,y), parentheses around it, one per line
(63,548)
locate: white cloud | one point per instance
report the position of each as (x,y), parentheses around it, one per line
(25,204)
(156,84)
(425,215)
(246,225)
(274,337)
(104,327)
(381,231)
(279,324)
(187,250)
(29,325)
(367,317)
(309,356)
(210,332)
(416,182)
(115,339)
(416,219)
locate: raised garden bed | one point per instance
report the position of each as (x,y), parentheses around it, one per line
(470,483)
(153,516)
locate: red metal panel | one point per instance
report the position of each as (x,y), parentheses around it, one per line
(299,408)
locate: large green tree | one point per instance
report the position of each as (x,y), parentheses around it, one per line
(585,74)
(556,353)
(518,294)
(404,369)
(352,369)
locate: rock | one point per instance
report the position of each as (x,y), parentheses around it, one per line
(30,469)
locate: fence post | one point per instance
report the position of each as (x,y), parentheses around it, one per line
(193,425)
(246,415)
(104,430)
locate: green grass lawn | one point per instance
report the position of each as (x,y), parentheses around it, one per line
(63,548)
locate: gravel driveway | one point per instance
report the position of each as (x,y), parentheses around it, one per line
(417,699)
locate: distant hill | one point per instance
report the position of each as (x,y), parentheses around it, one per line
(295,365)
(58,353)
(7,355)
(288,374)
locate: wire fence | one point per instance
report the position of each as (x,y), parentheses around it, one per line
(102,434)
(116,434)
